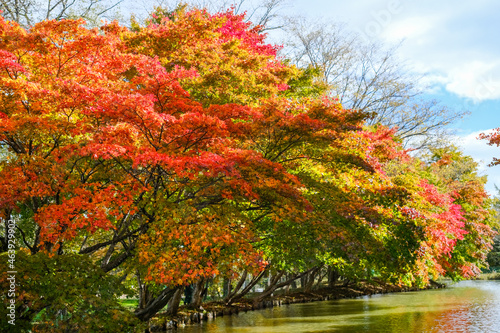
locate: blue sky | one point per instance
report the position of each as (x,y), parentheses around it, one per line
(456,44)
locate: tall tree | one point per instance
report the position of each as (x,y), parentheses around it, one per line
(453,172)
(94,174)
(265,14)
(233,62)
(123,149)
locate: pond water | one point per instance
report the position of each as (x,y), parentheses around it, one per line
(468,306)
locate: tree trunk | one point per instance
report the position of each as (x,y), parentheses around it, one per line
(236,289)
(303,282)
(275,285)
(226,287)
(155,304)
(198,294)
(174,302)
(272,284)
(310,279)
(287,287)
(333,276)
(143,292)
(205,290)
(247,289)
(321,277)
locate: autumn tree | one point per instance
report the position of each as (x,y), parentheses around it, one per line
(231,59)
(450,201)
(493,139)
(139,166)
(265,14)
(452,171)
(282,139)
(56,180)
(377,212)
(494,255)
(185,150)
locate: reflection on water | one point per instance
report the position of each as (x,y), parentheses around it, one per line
(468,306)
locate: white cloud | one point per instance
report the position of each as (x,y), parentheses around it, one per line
(453,40)
(412,28)
(476,80)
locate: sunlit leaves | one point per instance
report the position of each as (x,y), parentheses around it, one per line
(172,151)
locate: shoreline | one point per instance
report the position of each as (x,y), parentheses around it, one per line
(212,310)
(493,276)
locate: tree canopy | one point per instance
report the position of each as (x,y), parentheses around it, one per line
(185,150)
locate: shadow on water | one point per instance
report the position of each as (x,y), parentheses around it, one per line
(469,306)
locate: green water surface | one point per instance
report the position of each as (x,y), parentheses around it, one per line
(468,306)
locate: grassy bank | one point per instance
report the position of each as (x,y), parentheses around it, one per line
(489,276)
